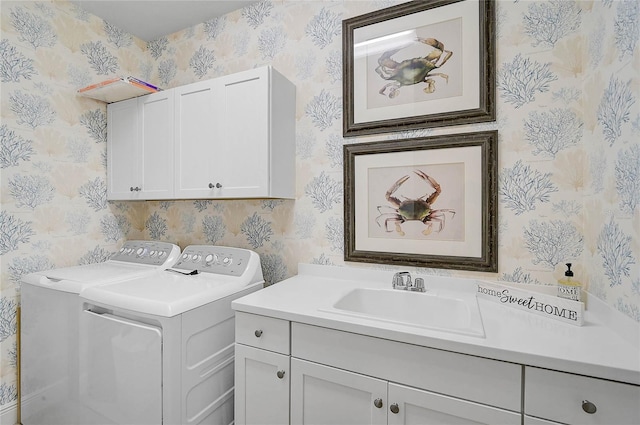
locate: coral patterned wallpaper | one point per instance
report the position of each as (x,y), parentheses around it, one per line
(568,121)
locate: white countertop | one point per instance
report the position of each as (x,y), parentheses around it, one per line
(606,346)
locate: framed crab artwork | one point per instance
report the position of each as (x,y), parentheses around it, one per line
(425,202)
(421,64)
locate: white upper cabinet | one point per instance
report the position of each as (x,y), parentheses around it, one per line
(140,148)
(231,137)
(257,131)
(156,141)
(123,150)
(236,137)
(197,107)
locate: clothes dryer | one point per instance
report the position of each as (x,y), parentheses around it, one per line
(160,349)
(50,312)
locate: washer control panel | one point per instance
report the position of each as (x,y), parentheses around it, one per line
(214,259)
(151,253)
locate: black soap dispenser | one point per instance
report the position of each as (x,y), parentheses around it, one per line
(568,287)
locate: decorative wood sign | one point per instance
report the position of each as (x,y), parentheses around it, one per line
(541,304)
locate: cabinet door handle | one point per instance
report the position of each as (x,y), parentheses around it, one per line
(217,185)
(258,333)
(280,374)
(588,407)
(378,403)
(394,408)
(134,189)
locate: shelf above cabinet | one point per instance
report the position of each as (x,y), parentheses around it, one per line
(117,89)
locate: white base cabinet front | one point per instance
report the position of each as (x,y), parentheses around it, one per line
(261,387)
(410,406)
(579,400)
(326,395)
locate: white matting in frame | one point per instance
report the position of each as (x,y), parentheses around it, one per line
(457,170)
(456,26)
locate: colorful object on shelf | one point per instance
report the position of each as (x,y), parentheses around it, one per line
(117,89)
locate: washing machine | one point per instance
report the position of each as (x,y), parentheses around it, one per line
(160,349)
(50,313)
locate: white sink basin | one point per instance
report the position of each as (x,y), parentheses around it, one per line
(448,312)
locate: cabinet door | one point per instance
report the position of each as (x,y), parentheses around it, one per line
(325,395)
(197,109)
(409,406)
(156,144)
(261,387)
(242,163)
(123,150)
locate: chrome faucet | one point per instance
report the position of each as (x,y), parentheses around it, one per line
(402,281)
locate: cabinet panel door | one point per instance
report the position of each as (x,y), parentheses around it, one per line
(417,407)
(196,139)
(156,144)
(261,393)
(123,150)
(325,395)
(243,166)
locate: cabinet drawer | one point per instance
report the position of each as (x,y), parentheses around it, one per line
(482,380)
(263,332)
(559,396)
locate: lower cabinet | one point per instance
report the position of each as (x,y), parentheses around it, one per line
(410,406)
(293,373)
(575,399)
(326,395)
(290,373)
(261,387)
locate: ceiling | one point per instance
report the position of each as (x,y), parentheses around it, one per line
(152,19)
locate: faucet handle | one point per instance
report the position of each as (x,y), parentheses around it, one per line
(418,285)
(401,280)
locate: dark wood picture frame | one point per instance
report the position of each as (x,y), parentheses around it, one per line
(359,80)
(375,227)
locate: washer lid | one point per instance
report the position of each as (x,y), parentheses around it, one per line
(134,259)
(164,293)
(75,278)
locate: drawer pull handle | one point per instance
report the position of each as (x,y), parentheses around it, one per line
(394,408)
(378,403)
(280,374)
(589,407)
(258,333)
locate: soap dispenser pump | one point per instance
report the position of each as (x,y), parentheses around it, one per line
(568,287)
